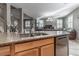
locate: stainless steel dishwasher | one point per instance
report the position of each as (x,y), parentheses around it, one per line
(62,46)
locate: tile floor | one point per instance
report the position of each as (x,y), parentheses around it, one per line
(73,47)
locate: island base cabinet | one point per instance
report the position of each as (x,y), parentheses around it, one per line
(43,47)
(47,50)
(32,52)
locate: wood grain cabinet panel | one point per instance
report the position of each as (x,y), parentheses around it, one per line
(23,46)
(43,42)
(33,44)
(4,50)
(33,52)
(42,47)
(47,50)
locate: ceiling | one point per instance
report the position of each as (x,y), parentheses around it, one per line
(40,10)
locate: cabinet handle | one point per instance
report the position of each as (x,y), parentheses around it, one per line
(61,37)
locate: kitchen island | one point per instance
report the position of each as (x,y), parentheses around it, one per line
(42,45)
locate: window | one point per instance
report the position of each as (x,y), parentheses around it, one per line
(70,21)
(59,23)
(27,23)
(40,23)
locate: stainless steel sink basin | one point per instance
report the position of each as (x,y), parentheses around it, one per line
(38,34)
(31,35)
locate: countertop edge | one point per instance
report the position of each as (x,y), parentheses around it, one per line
(29,39)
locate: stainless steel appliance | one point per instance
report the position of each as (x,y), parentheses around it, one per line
(62,46)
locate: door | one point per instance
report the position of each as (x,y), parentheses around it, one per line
(33,52)
(47,50)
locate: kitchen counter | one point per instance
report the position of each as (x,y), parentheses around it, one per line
(38,45)
(15,38)
(12,37)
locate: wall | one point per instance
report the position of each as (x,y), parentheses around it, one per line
(1,25)
(75,21)
(3,21)
(8,15)
(23,11)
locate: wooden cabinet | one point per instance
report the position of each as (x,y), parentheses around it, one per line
(44,47)
(47,50)
(4,50)
(73,35)
(32,52)
(33,44)
(39,47)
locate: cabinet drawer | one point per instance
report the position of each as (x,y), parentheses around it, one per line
(29,45)
(43,42)
(5,51)
(33,52)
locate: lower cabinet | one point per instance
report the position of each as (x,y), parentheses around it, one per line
(34,48)
(5,51)
(32,52)
(47,50)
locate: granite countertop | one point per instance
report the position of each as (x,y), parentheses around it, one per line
(14,38)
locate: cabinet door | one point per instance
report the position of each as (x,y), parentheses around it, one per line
(33,52)
(47,50)
(4,51)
